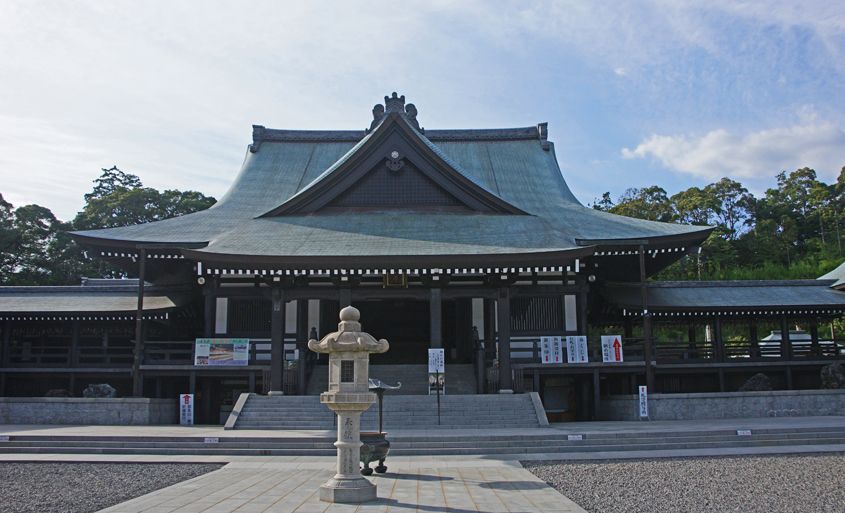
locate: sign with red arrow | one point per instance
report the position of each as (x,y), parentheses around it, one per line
(611,349)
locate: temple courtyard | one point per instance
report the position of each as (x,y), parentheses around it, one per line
(787,464)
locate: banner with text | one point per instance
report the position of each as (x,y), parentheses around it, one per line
(221,351)
(576,349)
(551,349)
(436,371)
(611,349)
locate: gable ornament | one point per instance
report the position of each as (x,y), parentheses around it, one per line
(395,161)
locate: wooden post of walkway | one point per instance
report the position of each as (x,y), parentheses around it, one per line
(647,334)
(435,314)
(137,358)
(301,342)
(277,342)
(503,307)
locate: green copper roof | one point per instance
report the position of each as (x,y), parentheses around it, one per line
(837,274)
(792,295)
(516,165)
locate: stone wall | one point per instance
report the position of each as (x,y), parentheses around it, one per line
(778,403)
(125,411)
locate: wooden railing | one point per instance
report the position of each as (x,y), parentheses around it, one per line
(526,350)
(38,355)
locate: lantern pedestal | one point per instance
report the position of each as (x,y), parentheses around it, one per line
(348,396)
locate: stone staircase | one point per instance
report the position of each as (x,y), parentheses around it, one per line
(544,441)
(400,412)
(460,379)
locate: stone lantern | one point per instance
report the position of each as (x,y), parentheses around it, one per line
(348,396)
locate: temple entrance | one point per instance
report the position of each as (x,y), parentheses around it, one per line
(404,323)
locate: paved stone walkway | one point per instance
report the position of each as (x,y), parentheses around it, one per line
(253,487)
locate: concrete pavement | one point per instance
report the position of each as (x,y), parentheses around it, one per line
(409,486)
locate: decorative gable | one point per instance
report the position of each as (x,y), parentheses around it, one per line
(394,166)
(397,184)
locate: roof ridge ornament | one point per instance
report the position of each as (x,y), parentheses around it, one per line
(395,103)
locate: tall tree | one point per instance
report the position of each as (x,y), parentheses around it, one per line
(695,206)
(733,205)
(650,203)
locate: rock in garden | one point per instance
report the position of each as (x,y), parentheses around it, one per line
(757,383)
(100,390)
(833,376)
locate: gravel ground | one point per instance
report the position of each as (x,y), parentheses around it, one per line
(744,484)
(85,487)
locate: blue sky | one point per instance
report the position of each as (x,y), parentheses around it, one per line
(635,93)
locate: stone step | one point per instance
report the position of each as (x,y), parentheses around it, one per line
(399,412)
(398,450)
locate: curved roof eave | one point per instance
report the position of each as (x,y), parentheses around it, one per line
(382,261)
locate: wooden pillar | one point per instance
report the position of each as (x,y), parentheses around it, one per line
(647,334)
(344,296)
(74,343)
(721,380)
(251,384)
(596,394)
(628,328)
(814,338)
(138,356)
(192,382)
(789,384)
(301,341)
(718,343)
(785,342)
(489,323)
(755,339)
(5,347)
(503,307)
(277,342)
(691,349)
(535,381)
(582,305)
(210,300)
(435,315)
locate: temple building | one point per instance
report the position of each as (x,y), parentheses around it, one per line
(466,240)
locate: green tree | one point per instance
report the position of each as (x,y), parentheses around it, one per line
(695,206)
(734,205)
(110,180)
(36,248)
(650,203)
(604,204)
(8,236)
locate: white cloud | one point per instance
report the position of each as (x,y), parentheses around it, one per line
(718,153)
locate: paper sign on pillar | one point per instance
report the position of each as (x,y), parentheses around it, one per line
(576,349)
(436,371)
(611,349)
(551,349)
(186,409)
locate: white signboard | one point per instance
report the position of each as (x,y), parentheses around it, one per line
(221,351)
(186,409)
(436,361)
(611,349)
(4,438)
(643,402)
(436,371)
(743,432)
(211,440)
(551,349)
(574,437)
(576,349)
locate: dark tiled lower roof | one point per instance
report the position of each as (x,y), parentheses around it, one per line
(81,299)
(728,295)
